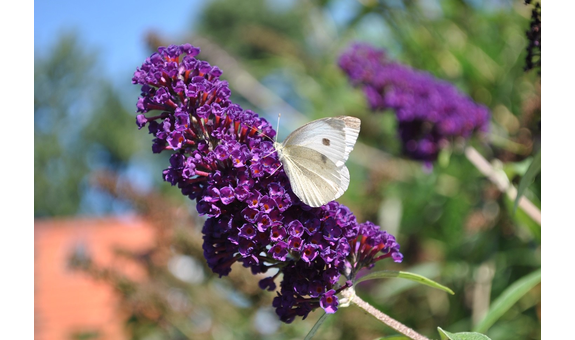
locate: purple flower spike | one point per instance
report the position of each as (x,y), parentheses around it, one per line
(222,158)
(372,245)
(430,112)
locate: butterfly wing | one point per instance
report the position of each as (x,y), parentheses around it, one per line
(333,137)
(351,129)
(314,158)
(314,178)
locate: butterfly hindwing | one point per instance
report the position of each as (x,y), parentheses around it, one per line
(315,179)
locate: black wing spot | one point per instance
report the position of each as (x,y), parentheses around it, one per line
(325,142)
(323,159)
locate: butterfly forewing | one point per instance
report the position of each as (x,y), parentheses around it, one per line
(351,129)
(314,158)
(326,136)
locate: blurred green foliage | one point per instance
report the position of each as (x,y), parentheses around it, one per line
(82,125)
(453,224)
(60,99)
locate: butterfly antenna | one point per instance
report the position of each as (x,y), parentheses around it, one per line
(277,132)
(259,131)
(276,170)
(278,127)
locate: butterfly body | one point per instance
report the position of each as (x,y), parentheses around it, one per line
(314,156)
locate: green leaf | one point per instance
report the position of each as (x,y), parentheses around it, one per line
(443,157)
(461,336)
(507,299)
(532,171)
(393,287)
(316,326)
(386,274)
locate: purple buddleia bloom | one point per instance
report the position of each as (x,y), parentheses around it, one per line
(312,225)
(372,245)
(257,169)
(316,288)
(282,202)
(227,195)
(277,233)
(329,302)
(295,228)
(276,190)
(222,152)
(267,284)
(264,222)
(250,215)
(331,231)
(253,200)
(267,204)
(222,158)
(533,57)
(309,253)
(242,193)
(246,248)
(328,254)
(248,231)
(212,195)
(430,112)
(295,243)
(279,251)
(331,275)
(141,120)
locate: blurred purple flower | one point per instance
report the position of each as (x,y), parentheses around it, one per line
(430,112)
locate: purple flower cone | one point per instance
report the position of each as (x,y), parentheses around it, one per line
(430,112)
(222,157)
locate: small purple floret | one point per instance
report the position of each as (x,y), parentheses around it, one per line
(329,302)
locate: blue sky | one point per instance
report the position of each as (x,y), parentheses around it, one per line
(115,29)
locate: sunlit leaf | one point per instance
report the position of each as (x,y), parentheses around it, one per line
(394,337)
(315,327)
(533,170)
(386,274)
(507,299)
(461,336)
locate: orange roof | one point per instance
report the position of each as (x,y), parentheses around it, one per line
(68,302)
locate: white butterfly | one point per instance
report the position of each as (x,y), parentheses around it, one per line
(314,155)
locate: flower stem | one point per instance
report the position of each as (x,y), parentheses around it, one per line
(401,328)
(499,178)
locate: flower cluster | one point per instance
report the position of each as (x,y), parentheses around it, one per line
(372,245)
(533,57)
(430,112)
(223,158)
